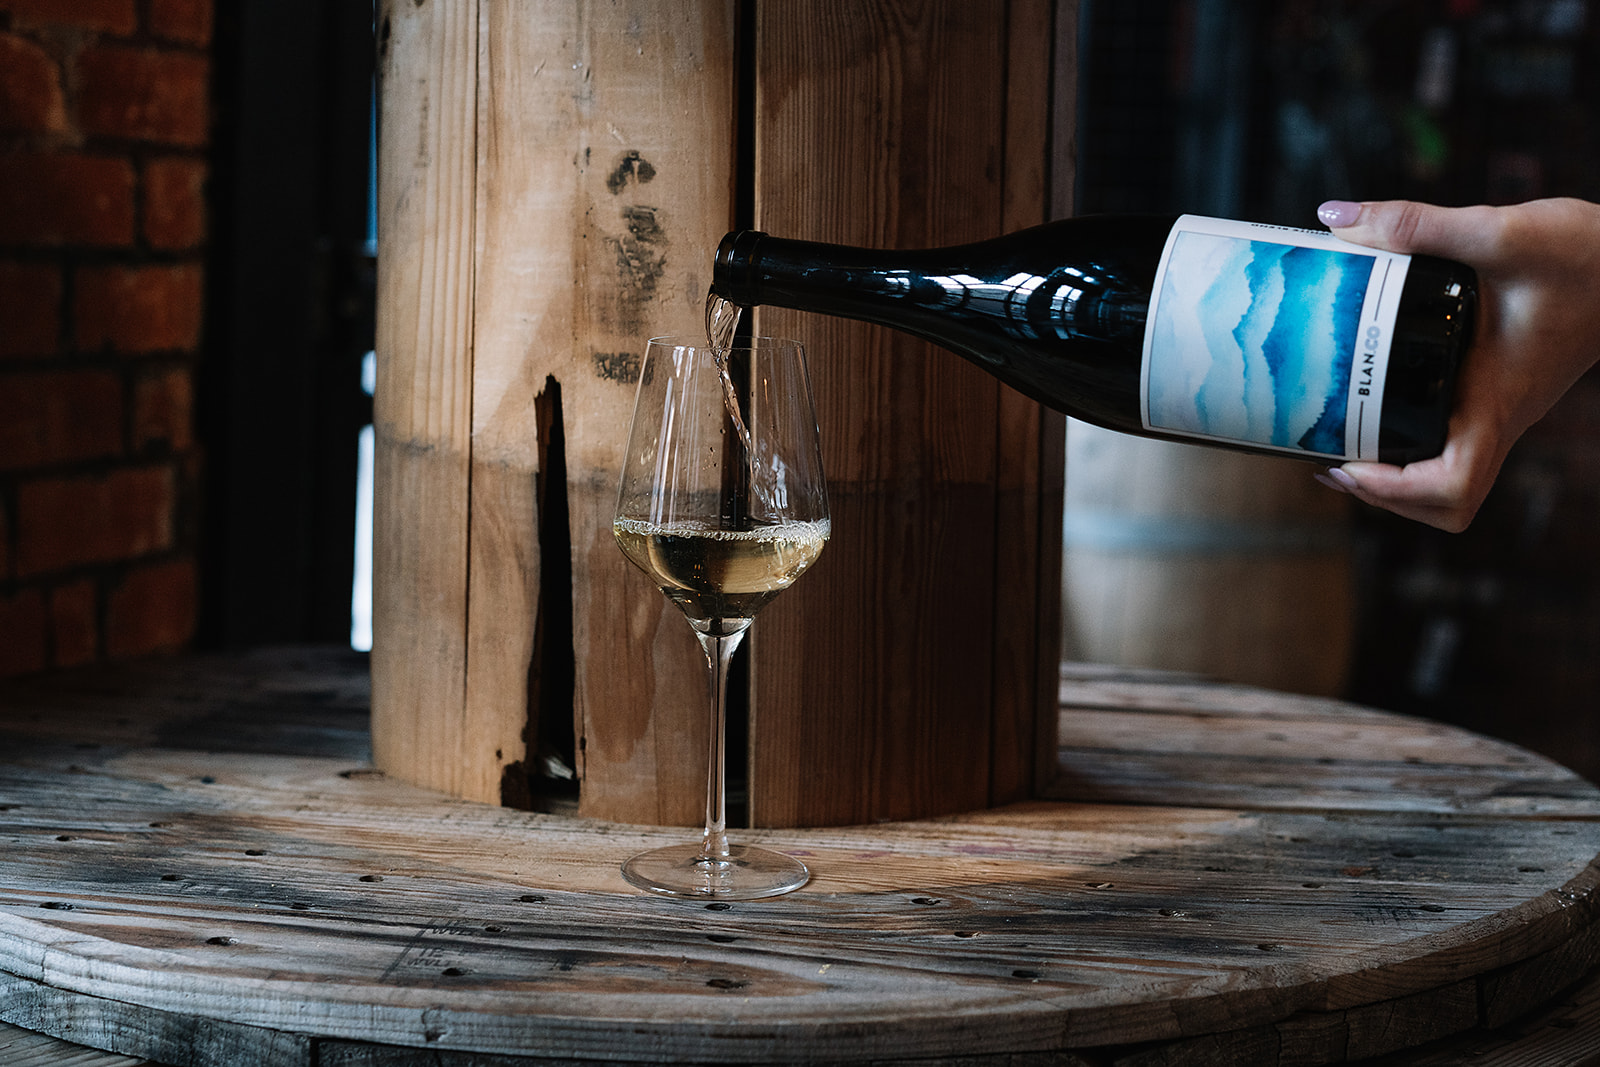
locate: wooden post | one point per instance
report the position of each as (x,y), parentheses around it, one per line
(553,181)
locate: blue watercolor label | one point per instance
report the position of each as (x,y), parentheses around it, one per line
(1272,336)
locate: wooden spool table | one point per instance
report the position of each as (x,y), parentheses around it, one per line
(198,866)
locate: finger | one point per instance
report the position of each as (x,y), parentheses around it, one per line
(1465,233)
(1430,491)
(1450,518)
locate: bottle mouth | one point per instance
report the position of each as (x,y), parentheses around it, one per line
(732,273)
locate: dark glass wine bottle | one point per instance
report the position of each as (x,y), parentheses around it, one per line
(1238,334)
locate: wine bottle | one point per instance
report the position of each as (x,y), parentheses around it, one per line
(1232,333)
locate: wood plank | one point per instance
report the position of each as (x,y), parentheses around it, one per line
(422,414)
(529,148)
(1221,744)
(346,1054)
(1028,450)
(521,336)
(901,610)
(650,138)
(137,1032)
(1566,1032)
(28,1048)
(1513,993)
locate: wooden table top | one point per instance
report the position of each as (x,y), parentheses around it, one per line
(198,865)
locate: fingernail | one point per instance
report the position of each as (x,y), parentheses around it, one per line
(1329,482)
(1336,479)
(1337,213)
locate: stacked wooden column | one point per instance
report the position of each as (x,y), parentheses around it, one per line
(553,180)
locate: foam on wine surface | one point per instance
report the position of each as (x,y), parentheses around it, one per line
(712,573)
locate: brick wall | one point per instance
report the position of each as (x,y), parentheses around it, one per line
(104,127)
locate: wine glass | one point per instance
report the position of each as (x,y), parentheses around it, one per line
(722,503)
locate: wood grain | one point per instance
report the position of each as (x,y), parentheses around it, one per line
(553,180)
(651,130)
(422,407)
(1029,447)
(902,676)
(29,1048)
(241,899)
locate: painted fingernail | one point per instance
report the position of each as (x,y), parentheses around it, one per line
(1336,479)
(1337,213)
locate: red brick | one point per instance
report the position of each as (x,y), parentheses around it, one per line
(107,16)
(30,88)
(163,411)
(184,21)
(66,200)
(153,610)
(174,203)
(30,309)
(69,522)
(144,94)
(139,309)
(59,417)
(73,623)
(22,633)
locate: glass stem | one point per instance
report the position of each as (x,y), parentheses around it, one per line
(719,650)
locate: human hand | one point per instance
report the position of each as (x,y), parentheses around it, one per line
(1538,330)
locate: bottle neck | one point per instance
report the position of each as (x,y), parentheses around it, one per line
(934,292)
(753,269)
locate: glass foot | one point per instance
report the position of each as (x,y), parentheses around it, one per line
(747,873)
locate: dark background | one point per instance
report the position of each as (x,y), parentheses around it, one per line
(1264,110)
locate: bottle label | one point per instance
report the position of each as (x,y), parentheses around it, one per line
(1270,335)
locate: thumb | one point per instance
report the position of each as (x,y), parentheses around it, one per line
(1464,233)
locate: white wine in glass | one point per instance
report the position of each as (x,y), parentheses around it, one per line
(723,504)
